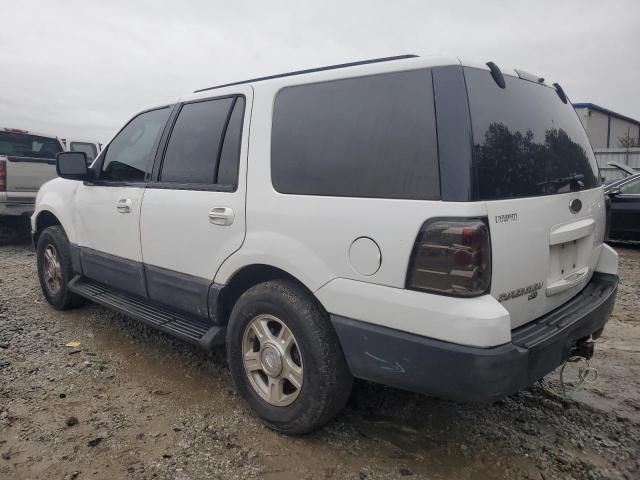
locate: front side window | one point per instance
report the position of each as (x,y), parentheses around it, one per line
(371,136)
(631,188)
(132,150)
(89,149)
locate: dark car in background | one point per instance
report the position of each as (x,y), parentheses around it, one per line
(625,208)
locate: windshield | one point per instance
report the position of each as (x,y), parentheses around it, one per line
(526,141)
(24,145)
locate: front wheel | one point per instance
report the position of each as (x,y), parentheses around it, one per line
(54,268)
(285,357)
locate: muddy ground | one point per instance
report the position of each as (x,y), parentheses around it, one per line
(129,402)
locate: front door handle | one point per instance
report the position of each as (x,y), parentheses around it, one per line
(221,216)
(124,205)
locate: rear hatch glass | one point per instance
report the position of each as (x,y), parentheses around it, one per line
(16,144)
(527,142)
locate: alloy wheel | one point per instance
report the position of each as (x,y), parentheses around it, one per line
(52,269)
(272,360)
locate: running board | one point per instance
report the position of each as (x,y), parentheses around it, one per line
(183,326)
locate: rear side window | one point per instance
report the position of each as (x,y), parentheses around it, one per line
(192,151)
(527,142)
(230,154)
(133,149)
(370,136)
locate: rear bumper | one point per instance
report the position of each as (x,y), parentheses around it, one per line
(458,372)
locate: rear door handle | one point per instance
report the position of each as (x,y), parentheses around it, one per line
(124,205)
(222,216)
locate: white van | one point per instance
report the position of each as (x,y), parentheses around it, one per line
(91,149)
(426,223)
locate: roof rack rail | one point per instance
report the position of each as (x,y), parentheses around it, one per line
(310,70)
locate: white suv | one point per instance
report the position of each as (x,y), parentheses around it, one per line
(430,224)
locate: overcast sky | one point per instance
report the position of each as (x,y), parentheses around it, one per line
(82,68)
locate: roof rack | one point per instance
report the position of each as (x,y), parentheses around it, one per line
(310,70)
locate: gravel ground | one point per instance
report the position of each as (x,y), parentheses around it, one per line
(129,402)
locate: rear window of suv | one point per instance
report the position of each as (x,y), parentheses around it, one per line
(526,141)
(25,145)
(371,136)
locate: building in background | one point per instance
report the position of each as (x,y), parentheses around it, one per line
(607,129)
(614,138)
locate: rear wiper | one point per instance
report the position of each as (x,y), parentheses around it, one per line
(575,181)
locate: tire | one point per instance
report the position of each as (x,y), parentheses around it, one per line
(326,379)
(53,239)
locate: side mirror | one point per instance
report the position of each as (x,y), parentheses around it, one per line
(614,192)
(72,165)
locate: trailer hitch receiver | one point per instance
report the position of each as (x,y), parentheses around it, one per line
(583,349)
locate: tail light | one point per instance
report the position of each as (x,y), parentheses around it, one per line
(451,257)
(3,175)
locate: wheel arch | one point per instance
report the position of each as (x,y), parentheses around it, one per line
(55,206)
(247,277)
(44,219)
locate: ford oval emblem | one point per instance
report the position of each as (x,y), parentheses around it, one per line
(575,205)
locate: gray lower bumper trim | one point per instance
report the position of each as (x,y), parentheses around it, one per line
(458,372)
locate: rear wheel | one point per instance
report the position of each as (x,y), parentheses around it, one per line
(285,357)
(54,268)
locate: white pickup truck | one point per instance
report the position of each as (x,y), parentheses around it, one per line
(27,160)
